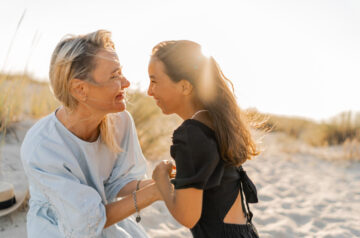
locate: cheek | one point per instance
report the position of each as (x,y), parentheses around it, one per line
(107,94)
(170,96)
(163,93)
(114,89)
(156,91)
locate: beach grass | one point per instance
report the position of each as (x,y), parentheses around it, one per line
(334,131)
(22,97)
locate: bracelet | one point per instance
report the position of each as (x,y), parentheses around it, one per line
(138,218)
(138,185)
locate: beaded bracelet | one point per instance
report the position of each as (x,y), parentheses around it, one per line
(138,185)
(138,218)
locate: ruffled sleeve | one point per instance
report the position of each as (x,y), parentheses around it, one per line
(130,163)
(198,164)
(78,208)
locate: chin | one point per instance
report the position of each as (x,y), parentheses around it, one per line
(120,107)
(166,112)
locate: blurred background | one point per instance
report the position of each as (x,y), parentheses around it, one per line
(297,60)
(295,69)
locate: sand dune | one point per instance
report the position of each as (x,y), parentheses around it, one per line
(300,194)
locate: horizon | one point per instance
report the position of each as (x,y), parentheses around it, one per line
(292,58)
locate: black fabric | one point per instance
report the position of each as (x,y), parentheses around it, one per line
(248,187)
(7,203)
(196,157)
(237,231)
(199,165)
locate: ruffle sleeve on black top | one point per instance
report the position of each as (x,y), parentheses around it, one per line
(195,151)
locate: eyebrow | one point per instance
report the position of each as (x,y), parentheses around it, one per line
(152,77)
(120,67)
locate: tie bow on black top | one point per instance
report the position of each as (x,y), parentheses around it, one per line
(248,186)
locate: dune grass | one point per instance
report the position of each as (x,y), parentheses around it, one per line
(153,127)
(22,97)
(337,130)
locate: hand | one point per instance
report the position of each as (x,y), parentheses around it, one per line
(162,170)
(157,193)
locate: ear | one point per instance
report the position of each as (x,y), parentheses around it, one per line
(79,89)
(186,87)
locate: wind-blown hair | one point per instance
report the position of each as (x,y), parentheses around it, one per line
(75,57)
(183,59)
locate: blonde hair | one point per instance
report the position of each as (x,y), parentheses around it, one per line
(74,57)
(183,59)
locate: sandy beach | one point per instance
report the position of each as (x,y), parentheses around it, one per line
(303,192)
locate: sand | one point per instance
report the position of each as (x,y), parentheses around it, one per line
(303,192)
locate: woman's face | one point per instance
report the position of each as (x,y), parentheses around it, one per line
(106,90)
(166,93)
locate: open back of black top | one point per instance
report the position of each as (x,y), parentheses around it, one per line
(199,165)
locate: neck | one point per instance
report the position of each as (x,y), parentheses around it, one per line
(81,122)
(189,110)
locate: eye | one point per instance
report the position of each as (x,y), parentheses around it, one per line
(116,75)
(152,81)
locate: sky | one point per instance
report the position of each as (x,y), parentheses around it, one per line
(286,57)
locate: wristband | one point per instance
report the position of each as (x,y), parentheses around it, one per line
(138,185)
(138,218)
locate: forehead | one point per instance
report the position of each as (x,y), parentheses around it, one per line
(105,58)
(156,68)
(106,63)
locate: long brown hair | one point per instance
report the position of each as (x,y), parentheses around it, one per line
(183,59)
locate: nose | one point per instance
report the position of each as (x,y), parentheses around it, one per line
(149,91)
(124,82)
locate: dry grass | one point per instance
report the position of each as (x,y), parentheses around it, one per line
(351,149)
(153,127)
(335,131)
(21,98)
(335,139)
(11,100)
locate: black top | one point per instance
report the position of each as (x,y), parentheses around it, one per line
(199,165)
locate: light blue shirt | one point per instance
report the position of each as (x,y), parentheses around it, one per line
(71,180)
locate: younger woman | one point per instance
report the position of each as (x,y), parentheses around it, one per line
(209,147)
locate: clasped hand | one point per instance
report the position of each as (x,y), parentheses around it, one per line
(164,170)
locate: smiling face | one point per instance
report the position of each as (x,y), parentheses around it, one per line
(167,94)
(105,92)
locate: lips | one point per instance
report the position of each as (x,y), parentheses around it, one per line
(156,100)
(120,97)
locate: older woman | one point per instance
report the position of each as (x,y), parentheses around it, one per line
(86,154)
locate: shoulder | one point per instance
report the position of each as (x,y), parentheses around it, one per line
(124,125)
(194,131)
(123,120)
(196,138)
(43,144)
(40,131)
(125,116)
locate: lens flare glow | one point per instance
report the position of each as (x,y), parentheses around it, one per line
(205,51)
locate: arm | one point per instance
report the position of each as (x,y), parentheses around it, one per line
(86,221)
(129,166)
(119,210)
(185,205)
(79,209)
(130,187)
